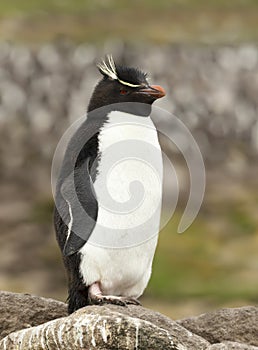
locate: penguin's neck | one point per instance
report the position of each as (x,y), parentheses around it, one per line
(132,108)
(121,126)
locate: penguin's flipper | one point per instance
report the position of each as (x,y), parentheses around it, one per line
(80,196)
(73,244)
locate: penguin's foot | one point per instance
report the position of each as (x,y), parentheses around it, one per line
(112,299)
(97,298)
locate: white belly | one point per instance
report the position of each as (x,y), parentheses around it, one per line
(120,250)
(121,272)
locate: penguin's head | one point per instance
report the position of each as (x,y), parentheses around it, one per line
(123,84)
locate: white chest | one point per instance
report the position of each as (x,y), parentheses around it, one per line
(129,192)
(129,182)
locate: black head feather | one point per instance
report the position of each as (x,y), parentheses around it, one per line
(129,76)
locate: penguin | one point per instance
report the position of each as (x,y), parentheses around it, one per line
(103,265)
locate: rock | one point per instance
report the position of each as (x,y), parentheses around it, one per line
(30,322)
(124,328)
(236,325)
(98,328)
(18,311)
(231,346)
(101,327)
(188,339)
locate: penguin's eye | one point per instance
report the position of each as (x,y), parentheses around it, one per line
(123,92)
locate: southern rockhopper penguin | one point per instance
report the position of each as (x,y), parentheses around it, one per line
(99,274)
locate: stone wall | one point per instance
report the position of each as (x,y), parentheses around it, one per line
(44,89)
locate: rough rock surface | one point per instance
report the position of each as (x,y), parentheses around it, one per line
(116,327)
(239,325)
(231,346)
(18,311)
(99,328)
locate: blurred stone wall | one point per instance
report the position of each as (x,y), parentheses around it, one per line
(43,90)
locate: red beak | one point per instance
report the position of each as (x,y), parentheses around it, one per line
(153,90)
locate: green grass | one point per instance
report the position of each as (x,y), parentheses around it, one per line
(184,21)
(204,262)
(204,268)
(85,6)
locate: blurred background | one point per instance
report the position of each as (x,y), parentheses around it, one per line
(205,54)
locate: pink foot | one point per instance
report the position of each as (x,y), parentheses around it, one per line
(97,298)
